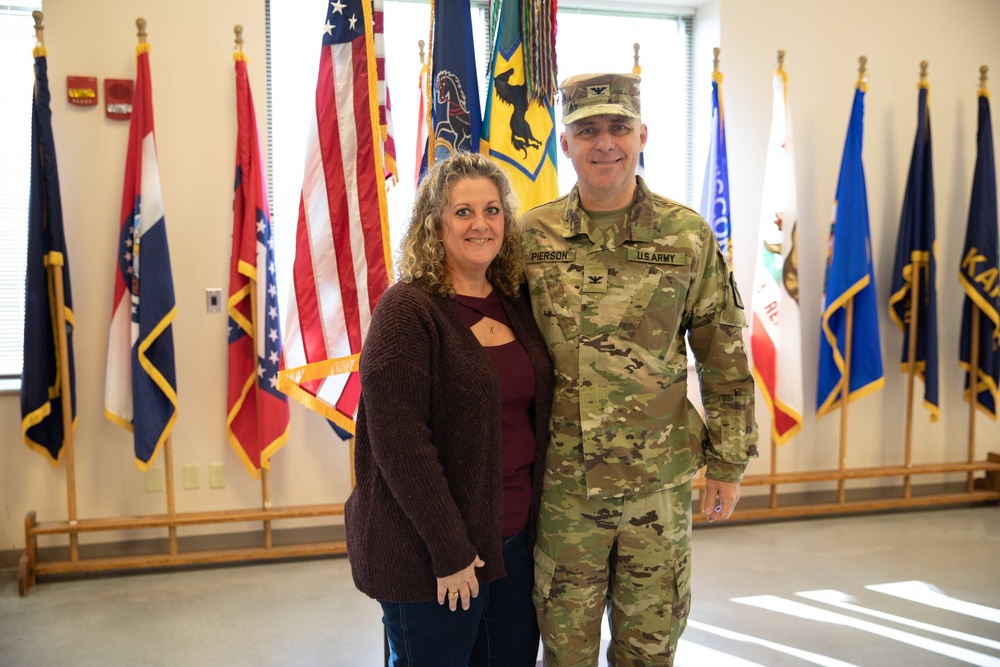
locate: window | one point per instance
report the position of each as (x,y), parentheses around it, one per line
(17,38)
(665,56)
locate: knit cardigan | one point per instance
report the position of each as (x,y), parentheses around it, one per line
(428,451)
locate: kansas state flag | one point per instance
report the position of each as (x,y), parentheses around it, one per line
(915,258)
(140,385)
(850,282)
(978,273)
(519,134)
(41,380)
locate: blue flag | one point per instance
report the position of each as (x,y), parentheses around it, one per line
(850,309)
(915,256)
(715,190)
(454,96)
(41,382)
(979,272)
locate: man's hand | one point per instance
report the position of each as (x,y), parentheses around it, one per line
(720,499)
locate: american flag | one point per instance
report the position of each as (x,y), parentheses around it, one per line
(140,384)
(342,254)
(257,413)
(384,99)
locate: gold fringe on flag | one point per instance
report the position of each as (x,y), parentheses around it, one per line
(538,29)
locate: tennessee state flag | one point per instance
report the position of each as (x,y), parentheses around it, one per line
(850,279)
(342,255)
(978,273)
(775,337)
(257,413)
(140,391)
(42,424)
(916,258)
(518,132)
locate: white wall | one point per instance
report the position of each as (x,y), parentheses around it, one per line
(823,42)
(192,74)
(193,93)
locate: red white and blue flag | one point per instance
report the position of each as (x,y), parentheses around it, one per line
(342,255)
(140,385)
(257,413)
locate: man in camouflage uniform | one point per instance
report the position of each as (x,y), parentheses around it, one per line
(618,277)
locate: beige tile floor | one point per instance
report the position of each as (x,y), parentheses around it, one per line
(910,589)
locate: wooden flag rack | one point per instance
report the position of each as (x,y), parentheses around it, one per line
(986,490)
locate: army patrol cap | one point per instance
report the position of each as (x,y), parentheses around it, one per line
(588,95)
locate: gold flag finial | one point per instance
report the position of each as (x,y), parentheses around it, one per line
(781,59)
(39,27)
(923,72)
(982,78)
(636,69)
(715,59)
(238,30)
(862,70)
(420,47)
(140,23)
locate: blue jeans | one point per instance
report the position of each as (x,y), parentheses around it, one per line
(498,630)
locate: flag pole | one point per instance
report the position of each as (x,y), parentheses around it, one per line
(168,450)
(265,480)
(911,352)
(774,445)
(56,275)
(845,392)
(973,393)
(974,350)
(845,379)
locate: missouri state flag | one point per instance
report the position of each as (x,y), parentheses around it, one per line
(140,391)
(519,126)
(914,274)
(257,413)
(342,255)
(42,397)
(715,189)
(775,335)
(850,308)
(979,275)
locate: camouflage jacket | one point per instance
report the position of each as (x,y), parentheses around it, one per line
(614,312)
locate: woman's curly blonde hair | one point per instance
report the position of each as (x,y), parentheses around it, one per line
(422,260)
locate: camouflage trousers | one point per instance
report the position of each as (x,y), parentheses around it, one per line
(630,556)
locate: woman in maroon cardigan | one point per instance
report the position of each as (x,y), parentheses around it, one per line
(451,432)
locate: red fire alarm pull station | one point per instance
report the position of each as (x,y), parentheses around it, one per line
(118,98)
(82,90)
